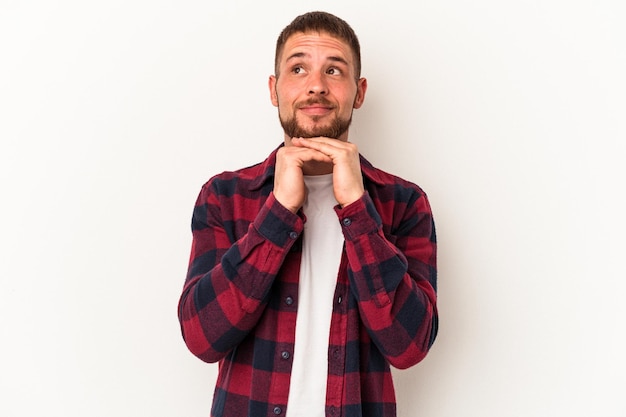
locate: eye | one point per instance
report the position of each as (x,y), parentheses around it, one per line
(333,71)
(297,69)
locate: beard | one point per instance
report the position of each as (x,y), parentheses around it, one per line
(333,130)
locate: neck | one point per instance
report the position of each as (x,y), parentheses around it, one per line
(317,168)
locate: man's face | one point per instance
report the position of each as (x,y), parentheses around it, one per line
(316,88)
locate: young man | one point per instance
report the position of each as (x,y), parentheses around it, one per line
(312,272)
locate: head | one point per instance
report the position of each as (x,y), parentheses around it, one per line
(317,79)
(320,22)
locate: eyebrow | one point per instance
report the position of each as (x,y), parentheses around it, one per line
(303,55)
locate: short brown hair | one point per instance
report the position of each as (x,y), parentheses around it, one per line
(321,22)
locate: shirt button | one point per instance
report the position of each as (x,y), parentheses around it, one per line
(289,301)
(339,300)
(347,221)
(293,235)
(285,355)
(277,410)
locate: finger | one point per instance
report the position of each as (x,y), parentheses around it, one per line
(304,154)
(321,140)
(331,147)
(325,145)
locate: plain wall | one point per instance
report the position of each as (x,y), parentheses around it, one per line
(510,114)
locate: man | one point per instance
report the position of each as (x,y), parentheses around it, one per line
(312,272)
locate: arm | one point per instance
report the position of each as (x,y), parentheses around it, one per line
(394,283)
(227,283)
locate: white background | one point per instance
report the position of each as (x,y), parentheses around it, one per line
(510,114)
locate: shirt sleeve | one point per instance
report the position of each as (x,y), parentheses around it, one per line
(227,283)
(393,276)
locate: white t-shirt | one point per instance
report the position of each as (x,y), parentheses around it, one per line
(321,255)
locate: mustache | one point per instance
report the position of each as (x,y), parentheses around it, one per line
(315,101)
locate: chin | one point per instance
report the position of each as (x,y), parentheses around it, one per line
(334,130)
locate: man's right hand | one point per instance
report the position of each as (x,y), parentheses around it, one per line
(291,163)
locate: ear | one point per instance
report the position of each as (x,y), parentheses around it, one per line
(273,94)
(361,88)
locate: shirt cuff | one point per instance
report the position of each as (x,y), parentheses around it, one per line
(359,218)
(277,224)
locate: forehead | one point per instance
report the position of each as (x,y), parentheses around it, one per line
(317,43)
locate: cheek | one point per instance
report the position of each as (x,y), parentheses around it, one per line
(282,93)
(349,104)
(349,95)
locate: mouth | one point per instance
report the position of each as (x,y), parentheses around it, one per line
(315,108)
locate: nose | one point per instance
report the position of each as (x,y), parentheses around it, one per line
(317,84)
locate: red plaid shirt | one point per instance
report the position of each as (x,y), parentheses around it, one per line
(240,298)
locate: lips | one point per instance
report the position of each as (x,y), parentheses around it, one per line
(315,111)
(317,107)
(315,102)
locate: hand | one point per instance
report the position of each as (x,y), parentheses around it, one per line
(289,187)
(346,167)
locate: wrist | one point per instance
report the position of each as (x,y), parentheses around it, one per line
(285,203)
(346,202)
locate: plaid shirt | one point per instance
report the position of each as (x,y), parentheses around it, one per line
(240,298)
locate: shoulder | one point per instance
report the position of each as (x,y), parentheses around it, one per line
(387,186)
(250,178)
